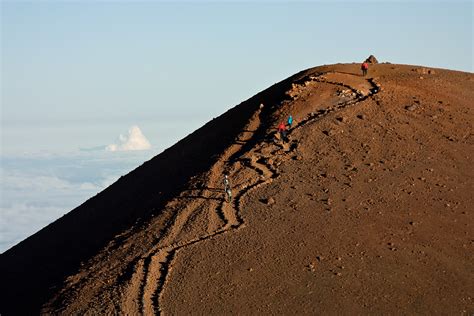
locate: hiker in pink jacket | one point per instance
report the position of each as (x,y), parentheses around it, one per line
(364,67)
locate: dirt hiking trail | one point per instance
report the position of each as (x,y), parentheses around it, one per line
(365,209)
(248,170)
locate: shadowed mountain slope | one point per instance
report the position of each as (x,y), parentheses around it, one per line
(365,209)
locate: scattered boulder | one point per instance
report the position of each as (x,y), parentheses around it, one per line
(329,132)
(411,108)
(371,60)
(424,71)
(268,201)
(344,93)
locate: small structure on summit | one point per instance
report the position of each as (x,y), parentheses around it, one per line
(372,60)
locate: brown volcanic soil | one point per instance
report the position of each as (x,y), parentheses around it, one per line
(367,209)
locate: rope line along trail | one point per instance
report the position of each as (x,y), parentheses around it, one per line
(151,272)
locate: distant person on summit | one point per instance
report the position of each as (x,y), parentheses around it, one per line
(364,67)
(282,131)
(290,121)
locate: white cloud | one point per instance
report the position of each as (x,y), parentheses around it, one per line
(30,202)
(18,221)
(135,140)
(37,189)
(34,193)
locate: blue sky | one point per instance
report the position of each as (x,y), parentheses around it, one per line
(89,60)
(77,74)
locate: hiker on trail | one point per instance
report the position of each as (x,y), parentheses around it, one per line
(228,192)
(290,121)
(282,131)
(227,189)
(364,67)
(226,182)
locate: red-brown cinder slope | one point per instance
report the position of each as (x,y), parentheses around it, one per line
(366,209)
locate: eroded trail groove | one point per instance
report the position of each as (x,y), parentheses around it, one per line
(343,214)
(145,288)
(251,161)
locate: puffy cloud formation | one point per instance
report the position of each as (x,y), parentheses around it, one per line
(135,140)
(39,188)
